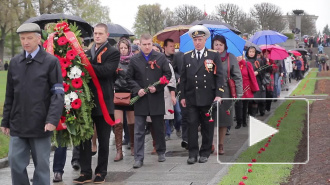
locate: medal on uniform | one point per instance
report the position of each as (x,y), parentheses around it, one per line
(208,63)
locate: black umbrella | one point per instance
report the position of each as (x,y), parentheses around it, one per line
(42,20)
(301,51)
(205,21)
(249,44)
(117,30)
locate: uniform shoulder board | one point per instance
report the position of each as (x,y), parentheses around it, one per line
(188,52)
(212,50)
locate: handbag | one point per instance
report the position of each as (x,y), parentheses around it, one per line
(122,99)
(231,82)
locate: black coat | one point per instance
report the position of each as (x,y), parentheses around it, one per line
(30,102)
(198,86)
(140,75)
(106,73)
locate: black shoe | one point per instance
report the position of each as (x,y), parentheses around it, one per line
(184,144)
(93,153)
(75,165)
(57,177)
(262,113)
(238,126)
(138,164)
(192,160)
(99,179)
(161,158)
(203,159)
(83,179)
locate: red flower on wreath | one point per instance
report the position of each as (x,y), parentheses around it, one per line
(45,44)
(63,72)
(62,25)
(66,87)
(76,104)
(62,41)
(77,83)
(71,54)
(171,111)
(163,80)
(61,125)
(65,63)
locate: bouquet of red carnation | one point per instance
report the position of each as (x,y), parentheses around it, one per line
(162,80)
(209,113)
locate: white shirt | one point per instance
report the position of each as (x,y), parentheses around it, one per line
(202,51)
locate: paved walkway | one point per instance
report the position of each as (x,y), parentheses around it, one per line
(174,170)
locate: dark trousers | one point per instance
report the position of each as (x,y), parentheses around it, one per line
(59,159)
(241,107)
(103,130)
(184,124)
(269,94)
(139,135)
(195,115)
(177,116)
(75,154)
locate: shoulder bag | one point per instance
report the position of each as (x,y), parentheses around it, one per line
(231,82)
(122,99)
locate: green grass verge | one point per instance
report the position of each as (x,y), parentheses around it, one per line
(306,86)
(3,82)
(282,148)
(4,144)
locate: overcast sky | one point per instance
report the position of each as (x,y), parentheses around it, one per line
(123,12)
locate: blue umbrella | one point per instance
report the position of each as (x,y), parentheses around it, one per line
(235,43)
(268,37)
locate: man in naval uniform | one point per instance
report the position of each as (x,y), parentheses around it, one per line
(202,84)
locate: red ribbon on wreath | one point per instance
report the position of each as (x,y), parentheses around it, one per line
(76,46)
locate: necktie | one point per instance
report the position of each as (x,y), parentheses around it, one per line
(29,59)
(198,55)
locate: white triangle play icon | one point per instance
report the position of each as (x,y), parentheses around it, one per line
(259,131)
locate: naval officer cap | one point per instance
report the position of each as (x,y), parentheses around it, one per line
(198,31)
(29,27)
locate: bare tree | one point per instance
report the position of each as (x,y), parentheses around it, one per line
(186,14)
(268,16)
(228,13)
(246,24)
(169,18)
(149,19)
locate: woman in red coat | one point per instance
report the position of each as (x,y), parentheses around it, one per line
(250,85)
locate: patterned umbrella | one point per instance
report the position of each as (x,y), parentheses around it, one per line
(172,32)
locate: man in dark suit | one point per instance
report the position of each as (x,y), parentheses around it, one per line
(104,59)
(144,69)
(201,84)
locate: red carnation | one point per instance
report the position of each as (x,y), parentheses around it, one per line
(45,44)
(244,177)
(71,54)
(77,83)
(227,112)
(266,145)
(279,121)
(66,87)
(62,25)
(254,160)
(250,170)
(273,135)
(171,111)
(263,149)
(241,183)
(211,120)
(281,118)
(62,41)
(269,140)
(207,114)
(259,152)
(278,124)
(63,72)
(163,80)
(250,164)
(82,74)
(76,104)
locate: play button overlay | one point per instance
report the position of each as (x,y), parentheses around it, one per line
(259,131)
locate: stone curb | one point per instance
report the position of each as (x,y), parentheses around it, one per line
(4,162)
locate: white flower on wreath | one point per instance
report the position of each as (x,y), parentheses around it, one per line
(67,102)
(75,72)
(73,96)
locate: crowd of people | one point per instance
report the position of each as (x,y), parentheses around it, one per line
(197,82)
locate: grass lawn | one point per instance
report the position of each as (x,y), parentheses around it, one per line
(3,82)
(282,148)
(4,144)
(306,86)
